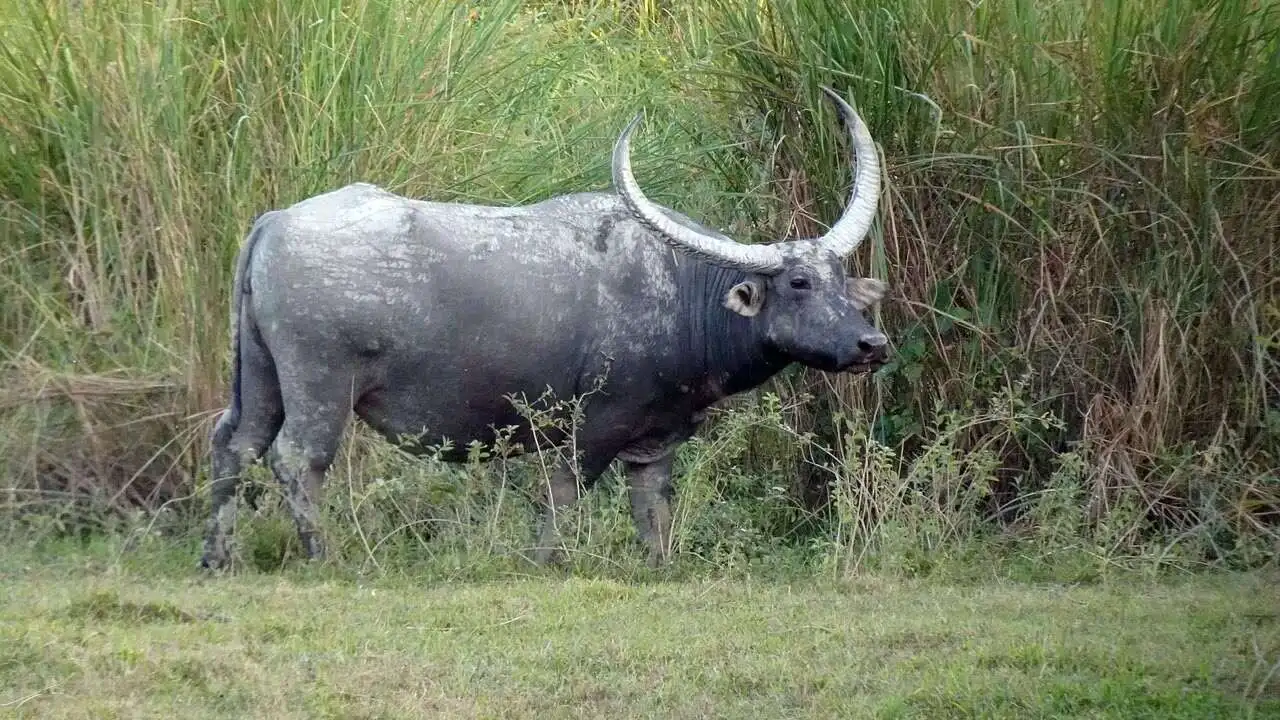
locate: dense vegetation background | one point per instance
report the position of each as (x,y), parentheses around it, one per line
(1079,226)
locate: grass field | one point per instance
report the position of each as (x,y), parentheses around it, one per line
(94,633)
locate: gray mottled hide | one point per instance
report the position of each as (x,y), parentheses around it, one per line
(422,317)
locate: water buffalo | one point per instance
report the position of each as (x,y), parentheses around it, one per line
(423,318)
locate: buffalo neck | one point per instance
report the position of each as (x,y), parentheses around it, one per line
(722,353)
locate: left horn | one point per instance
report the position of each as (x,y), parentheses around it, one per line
(860,212)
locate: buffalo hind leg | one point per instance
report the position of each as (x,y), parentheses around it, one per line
(300,458)
(651,493)
(240,439)
(227,468)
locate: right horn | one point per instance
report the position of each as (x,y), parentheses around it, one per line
(852,227)
(763,259)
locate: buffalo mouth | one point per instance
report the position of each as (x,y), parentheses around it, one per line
(830,364)
(866,366)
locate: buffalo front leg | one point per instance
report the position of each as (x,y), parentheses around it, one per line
(651,493)
(560,493)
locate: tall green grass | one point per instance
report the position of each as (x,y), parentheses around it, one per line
(1083,212)
(1079,225)
(142,141)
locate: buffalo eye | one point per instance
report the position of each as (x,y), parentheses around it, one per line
(800,283)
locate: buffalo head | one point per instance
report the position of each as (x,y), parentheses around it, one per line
(809,309)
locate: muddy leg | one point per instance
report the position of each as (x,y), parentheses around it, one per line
(300,458)
(240,438)
(231,451)
(651,493)
(561,492)
(226,476)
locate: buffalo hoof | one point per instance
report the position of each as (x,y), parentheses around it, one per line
(217,555)
(313,547)
(209,563)
(549,557)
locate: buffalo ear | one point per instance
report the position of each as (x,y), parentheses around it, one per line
(866,292)
(746,298)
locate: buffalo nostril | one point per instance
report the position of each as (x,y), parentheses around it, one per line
(873,342)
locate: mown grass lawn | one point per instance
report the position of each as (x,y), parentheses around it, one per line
(84,636)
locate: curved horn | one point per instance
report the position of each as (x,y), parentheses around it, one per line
(853,225)
(720,251)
